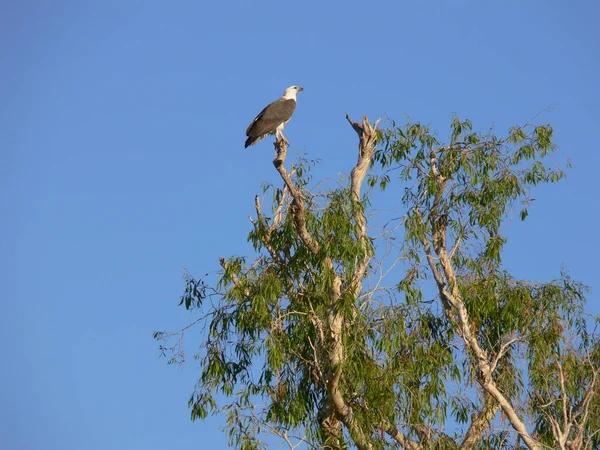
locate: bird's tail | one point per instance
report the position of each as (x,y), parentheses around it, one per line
(250,141)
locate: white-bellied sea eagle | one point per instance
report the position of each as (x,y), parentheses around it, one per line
(272,119)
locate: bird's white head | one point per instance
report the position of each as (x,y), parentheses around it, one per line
(292,91)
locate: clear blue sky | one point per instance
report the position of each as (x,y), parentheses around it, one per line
(122,161)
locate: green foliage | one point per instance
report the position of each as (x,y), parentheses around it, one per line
(267,336)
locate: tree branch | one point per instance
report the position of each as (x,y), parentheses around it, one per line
(331,429)
(401,438)
(335,318)
(564,399)
(438,226)
(503,349)
(437,275)
(480,422)
(298,207)
(367,135)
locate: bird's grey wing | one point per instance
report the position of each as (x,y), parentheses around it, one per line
(271,117)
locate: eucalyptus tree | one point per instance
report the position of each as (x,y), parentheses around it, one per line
(336,333)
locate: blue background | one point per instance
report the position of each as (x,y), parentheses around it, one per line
(122,162)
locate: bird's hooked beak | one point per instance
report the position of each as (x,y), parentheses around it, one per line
(300,88)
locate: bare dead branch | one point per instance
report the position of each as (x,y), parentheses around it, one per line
(367,135)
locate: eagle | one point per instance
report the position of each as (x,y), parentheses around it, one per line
(272,119)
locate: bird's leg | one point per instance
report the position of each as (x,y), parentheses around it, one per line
(281,137)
